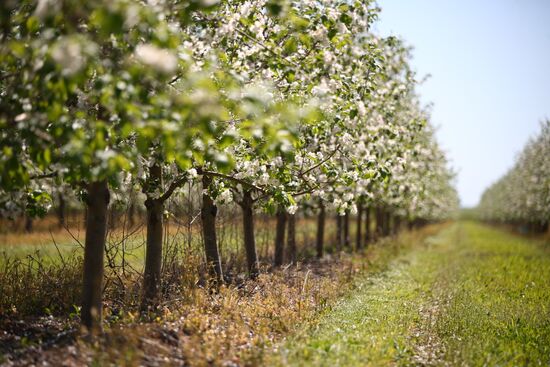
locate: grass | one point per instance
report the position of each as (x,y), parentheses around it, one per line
(471,295)
(238,325)
(48,241)
(498,304)
(40,271)
(456,294)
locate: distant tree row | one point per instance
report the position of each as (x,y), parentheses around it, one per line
(522,196)
(275,105)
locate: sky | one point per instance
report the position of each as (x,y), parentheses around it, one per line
(489,62)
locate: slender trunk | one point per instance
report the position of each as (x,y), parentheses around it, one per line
(208,216)
(132,210)
(346,229)
(280,237)
(291,238)
(61,209)
(339,232)
(320,231)
(367,226)
(249,241)
(359,235)
(96,232)
(387,223)
(112,218)
(396,224)
(379,222)
(153,249)
(28,223)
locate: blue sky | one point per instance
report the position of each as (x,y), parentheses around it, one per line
(489,62)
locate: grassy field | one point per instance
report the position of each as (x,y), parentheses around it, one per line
(471,295)
(238,325)
(450,294)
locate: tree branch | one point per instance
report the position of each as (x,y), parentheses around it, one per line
(44,175)
(322,162)
(200,171)
(173,186)
(175,79)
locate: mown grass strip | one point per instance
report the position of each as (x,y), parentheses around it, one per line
(471,295)
(498,303)
(373,325)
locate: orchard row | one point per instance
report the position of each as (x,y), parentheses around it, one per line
(522,196)
(275,105)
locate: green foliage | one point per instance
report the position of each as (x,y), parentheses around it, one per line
(38,203)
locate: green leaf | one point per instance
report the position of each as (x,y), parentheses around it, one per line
(32,24)
(274,7)
(290,46)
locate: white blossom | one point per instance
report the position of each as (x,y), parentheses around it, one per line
(160,59)
(292,209)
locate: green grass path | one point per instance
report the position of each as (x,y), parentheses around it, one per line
(471,295)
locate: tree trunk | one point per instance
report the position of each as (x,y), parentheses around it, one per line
(346,229)
(291,238)
(249,241)
(208,216)
(96,231)
(112,218)
(153,249)
(339,232)
(280,237)
(28,223)
(387,223)
(359,235)
(321,231)
(132,210)
(396,224)
(367,226)
(379,222)
(61,209)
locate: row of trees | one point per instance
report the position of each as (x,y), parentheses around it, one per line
(274,105)
(522,196)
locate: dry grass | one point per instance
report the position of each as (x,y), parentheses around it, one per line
(40,237)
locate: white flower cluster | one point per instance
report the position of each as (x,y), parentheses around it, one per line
(157,58)
(224,197)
